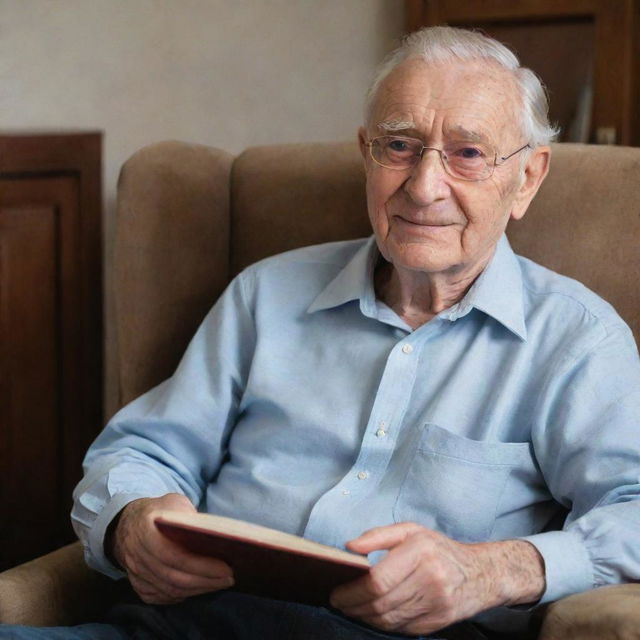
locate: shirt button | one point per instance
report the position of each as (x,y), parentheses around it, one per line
(346,492)
(407,348)
(363,475)
(381,433)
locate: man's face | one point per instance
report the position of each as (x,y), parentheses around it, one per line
(423,218)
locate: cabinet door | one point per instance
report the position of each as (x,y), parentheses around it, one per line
(39,311)
(587,52)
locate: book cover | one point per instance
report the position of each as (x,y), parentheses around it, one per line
(265,561)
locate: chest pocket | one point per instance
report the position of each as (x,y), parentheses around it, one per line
(455,485)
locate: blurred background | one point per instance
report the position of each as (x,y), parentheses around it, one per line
(226,73)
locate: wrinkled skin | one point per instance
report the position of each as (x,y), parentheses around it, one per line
(437,232)
(160,571)
(428,581)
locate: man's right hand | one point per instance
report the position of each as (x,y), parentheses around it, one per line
(160,571)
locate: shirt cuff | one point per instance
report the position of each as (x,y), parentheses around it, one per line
(568,568)
(94,550)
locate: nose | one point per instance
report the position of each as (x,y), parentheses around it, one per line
(428,180)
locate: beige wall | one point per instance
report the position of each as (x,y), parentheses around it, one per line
(229,73)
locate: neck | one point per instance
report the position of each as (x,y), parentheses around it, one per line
(417,296)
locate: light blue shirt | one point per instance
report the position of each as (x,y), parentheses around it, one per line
(306,405)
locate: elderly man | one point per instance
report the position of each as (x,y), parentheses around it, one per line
(424,396)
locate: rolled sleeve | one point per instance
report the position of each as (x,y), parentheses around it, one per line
(95,555)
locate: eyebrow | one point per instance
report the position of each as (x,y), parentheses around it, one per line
(466,134)
(408,126)
(396,125)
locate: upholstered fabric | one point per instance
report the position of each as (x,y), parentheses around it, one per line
(585,223)
(171,256)
(289,196)
(56,589)
(610,613)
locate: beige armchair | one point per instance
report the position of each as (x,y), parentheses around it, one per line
(190,217)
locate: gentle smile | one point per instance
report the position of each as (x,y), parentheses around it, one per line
(423,223)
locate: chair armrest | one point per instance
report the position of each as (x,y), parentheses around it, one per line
(607,613)
(56,589)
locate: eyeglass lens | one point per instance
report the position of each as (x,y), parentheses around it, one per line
(466,160)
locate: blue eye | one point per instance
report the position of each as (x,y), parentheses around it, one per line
(470,153)
(398,145)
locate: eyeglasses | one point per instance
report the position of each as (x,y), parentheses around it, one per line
(463,160)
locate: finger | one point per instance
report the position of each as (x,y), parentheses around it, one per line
(187,584)
(407,596)
(182,581)
(382,578)
(416,605)
(383,537)
(414,562)
(152,593)
(174,586)
(172,555)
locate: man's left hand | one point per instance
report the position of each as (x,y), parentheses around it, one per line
(428,581)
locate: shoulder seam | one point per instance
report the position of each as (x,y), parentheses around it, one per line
(608,328)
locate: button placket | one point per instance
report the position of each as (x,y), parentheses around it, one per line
(378,441)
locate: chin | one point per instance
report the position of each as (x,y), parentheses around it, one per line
(421,258)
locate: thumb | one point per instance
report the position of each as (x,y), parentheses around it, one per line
(383,537)
(176,502)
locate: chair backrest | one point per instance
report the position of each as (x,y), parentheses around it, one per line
(585,223)
(177,244)
(171,259)
(290,196)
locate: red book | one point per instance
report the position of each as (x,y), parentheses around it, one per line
(265,561)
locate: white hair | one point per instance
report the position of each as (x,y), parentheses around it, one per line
(440,44)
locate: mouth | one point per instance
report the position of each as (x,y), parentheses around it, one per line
(425,224)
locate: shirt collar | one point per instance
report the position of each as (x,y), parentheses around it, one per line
(353,282)
(498,290)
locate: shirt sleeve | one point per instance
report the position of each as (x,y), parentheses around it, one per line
(173,438)
(586,438)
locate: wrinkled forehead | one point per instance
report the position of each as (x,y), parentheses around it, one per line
(475,98)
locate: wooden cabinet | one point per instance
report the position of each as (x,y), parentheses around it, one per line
(50,328)
(587,52)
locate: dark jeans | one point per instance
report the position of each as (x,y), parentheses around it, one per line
(223,616)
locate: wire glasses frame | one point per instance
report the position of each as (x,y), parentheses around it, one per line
(454,157)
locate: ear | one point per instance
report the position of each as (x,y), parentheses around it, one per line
(535,171)
(362,141)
